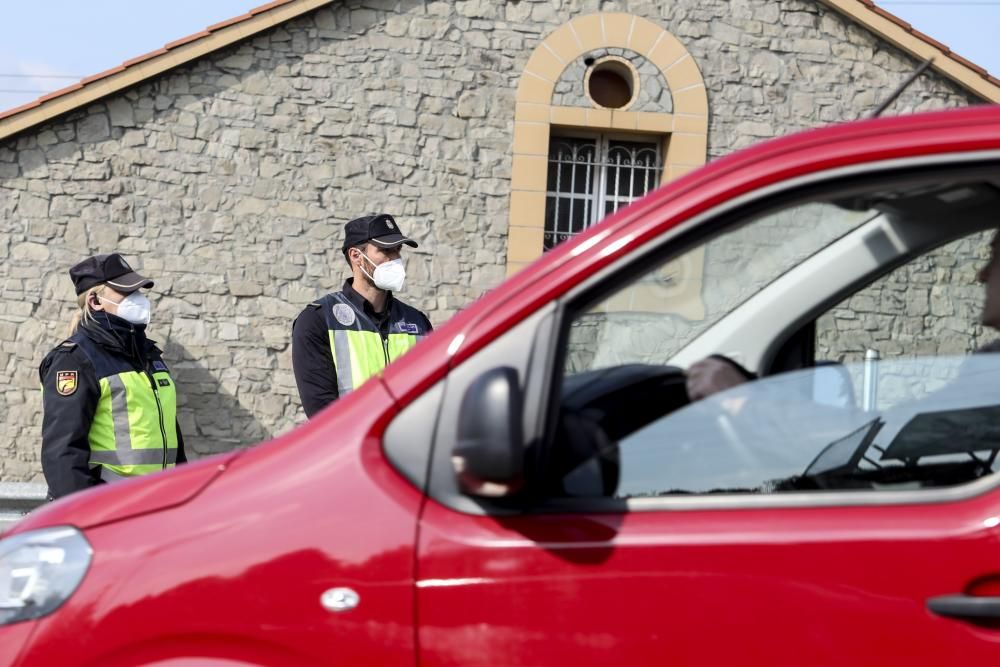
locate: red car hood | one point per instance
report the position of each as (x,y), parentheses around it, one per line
(123,500)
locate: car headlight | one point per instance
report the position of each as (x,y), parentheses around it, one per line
(39,570)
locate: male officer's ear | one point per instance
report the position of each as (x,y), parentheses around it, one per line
(358,257)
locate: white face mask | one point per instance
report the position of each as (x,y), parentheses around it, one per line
(389,275)
(134,308)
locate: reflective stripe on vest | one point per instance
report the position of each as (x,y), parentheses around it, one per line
(358,355)
(109,476)
(134,430)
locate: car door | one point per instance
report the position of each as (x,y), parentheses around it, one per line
(782,521)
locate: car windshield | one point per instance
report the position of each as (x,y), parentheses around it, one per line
(903,424)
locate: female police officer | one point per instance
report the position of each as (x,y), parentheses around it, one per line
(109,404)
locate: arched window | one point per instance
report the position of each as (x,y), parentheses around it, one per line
(609,106)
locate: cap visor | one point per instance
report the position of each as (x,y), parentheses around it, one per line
(130,282)
(393,240)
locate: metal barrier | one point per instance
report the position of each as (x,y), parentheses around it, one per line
(17,499)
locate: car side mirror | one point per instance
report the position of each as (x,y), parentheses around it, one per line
(488,456)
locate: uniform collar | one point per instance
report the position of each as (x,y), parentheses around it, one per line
(118,335)
(362,304)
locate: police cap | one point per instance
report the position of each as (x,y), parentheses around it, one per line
(379,229)
(110,269)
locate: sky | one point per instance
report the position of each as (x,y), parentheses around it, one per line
(60,42)
(50,44)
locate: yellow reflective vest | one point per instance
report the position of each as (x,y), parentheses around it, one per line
(360,350)
(130,434)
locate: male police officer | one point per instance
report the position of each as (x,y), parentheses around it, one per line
(346,337)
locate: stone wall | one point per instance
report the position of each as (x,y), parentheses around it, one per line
(229,180)
(930,307)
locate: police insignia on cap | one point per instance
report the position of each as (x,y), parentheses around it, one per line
(344,314)
(66,382)
(388,223)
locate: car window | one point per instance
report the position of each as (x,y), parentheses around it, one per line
(655,316)
(919,415)
(799,431)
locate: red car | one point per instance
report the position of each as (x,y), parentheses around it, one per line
(531,485)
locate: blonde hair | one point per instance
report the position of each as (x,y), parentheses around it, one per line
(84,313)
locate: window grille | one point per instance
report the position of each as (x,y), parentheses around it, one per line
(589,178)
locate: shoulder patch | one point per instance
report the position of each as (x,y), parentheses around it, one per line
(344,314)
(66,382)
(159,366)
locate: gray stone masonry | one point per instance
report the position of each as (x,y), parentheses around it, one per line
(928,308)
(229,179)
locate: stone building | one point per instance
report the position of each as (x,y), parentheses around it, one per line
(225,163)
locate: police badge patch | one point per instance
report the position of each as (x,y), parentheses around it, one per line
(66,382)
(344,314)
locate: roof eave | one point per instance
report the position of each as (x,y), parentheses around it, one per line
(894,30)
(180,52)
(157,62)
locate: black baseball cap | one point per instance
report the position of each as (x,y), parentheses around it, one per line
(110,269)
(379,229)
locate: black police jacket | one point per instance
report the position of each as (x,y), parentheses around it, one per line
(67,417)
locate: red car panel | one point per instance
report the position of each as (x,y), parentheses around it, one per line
(151,494)
(778,586)
(241,576)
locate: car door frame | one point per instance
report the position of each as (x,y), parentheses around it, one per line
(544,339)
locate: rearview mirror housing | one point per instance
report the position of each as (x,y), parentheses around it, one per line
(488,456)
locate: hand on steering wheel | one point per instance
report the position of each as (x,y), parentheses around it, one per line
(712,375)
